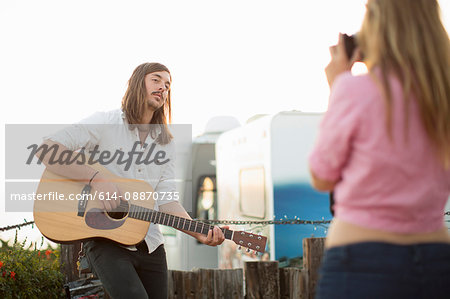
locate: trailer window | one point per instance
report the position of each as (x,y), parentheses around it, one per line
(207,198)
(252,194)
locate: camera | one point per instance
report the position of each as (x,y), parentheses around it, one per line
(350,44)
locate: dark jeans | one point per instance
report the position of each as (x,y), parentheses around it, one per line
(128,274)
(381,270)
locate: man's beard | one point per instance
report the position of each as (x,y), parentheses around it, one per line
(154,105)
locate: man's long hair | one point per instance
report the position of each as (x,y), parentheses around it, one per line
(134,104)
(407,38)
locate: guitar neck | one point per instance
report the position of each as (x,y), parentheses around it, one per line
(141,213)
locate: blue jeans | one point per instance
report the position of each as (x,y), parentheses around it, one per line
(128,274)
(382,270)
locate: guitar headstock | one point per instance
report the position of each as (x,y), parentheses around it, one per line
(250,240)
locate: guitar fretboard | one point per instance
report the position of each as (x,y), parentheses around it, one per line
(141,213)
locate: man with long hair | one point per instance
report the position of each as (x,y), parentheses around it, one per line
(130,271)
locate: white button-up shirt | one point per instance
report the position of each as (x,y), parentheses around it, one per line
(110,132)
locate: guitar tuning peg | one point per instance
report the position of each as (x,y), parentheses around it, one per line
(239,247)
(248,250)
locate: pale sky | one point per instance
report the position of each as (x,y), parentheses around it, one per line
(63,60)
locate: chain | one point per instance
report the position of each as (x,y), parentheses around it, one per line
(16,226)
(265,222)
(272,222)
(231,222)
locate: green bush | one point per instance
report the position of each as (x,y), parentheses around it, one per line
(29,272)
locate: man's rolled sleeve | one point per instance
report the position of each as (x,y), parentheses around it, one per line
(87,131)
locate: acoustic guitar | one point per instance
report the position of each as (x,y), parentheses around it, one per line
(66,210)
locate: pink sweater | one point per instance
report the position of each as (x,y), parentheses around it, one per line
(397,185)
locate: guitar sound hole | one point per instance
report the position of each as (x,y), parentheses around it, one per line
(120,212)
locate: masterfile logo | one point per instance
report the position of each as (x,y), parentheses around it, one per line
(67,157)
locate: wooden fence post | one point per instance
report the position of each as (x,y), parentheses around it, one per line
(191,286)
(228,284)
(220,283)
(206,281)
(206,284)
(292,283)
(182,284)
(68,259)
(262,280)
(176,284)
(312,257)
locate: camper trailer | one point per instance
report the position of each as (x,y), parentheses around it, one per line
(263,174)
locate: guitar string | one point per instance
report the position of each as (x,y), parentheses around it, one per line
(158,217)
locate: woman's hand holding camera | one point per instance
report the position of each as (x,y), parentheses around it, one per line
(339,61)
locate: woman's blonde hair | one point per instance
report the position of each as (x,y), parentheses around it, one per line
(134,104)
(407,38)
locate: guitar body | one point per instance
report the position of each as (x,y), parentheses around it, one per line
(61,221)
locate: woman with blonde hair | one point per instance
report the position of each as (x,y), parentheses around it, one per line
(384,148)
